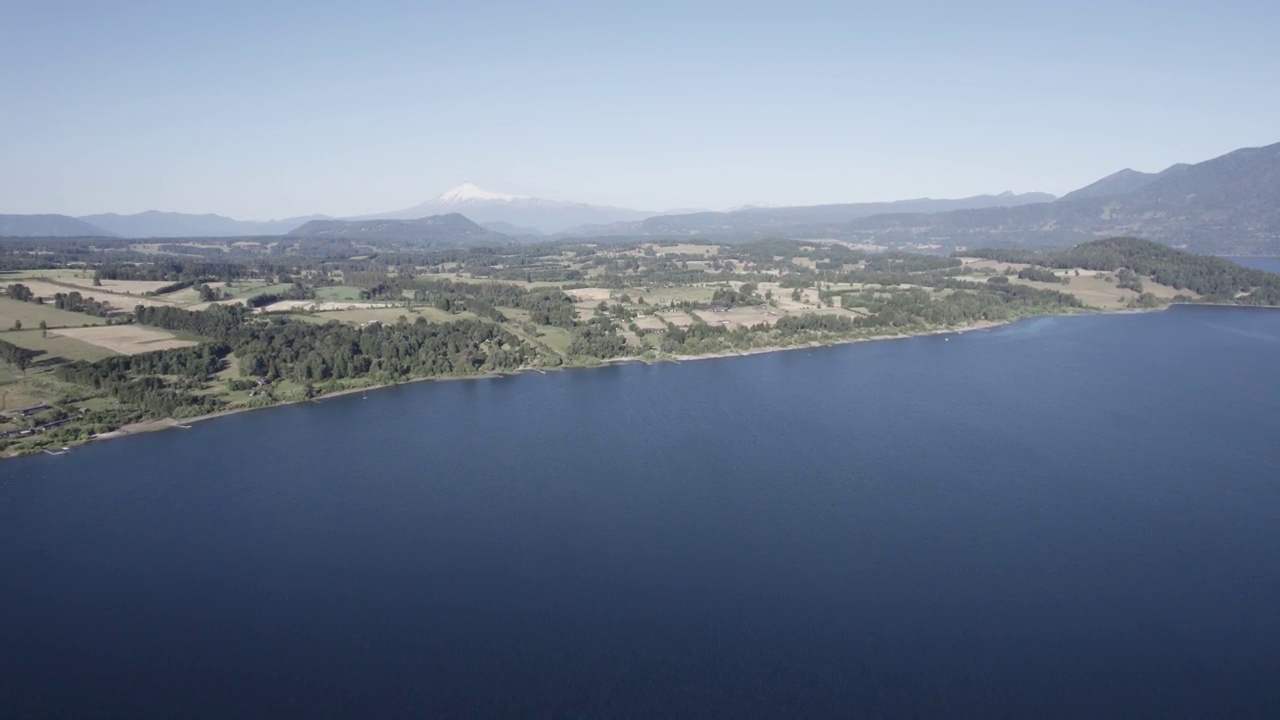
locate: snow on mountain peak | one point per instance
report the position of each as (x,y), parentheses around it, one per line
(470,192)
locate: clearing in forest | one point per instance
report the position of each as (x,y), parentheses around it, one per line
(126,339)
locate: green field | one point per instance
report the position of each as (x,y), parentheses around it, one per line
(338,293)
(391,315)
(556,338)
(55,346)
(59,275)
(318,319)
(249,288)
(30,314)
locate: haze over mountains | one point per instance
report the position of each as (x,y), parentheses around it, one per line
(446,229)
(48,225)
(761,221)
(1229,204)
(516,211)
(153,223)
(1121,183)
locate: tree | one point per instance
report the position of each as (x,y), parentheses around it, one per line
(44,329)
(17,324)
(19,357)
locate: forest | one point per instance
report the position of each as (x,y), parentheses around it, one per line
(1216,279)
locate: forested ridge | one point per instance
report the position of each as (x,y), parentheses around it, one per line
(1216,279)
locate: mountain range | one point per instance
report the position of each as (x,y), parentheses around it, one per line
(763,221)
(1226,205)
(154,223)
(516,211)
(48,225)
(449,229)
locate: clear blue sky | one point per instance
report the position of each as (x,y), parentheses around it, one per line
(270,109)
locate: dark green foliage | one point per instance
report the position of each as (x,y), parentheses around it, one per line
(296,292)
(181,271)
(75,302)
(307,352)
(1217,279)
(198,362)
(1040,274)
(905,262)
(220,322)
(207,294)
(18,357)
(597,338)
(170,288)
(20,292)
(546,306)
(729,297)
(996,300)
(136,380)
(1129,280)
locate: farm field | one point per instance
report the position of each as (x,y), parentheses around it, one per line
(119,301)
(1092,290)
(248,288)
(30,314)
(59,275)
(683,249)
(389,315)
(53,344)
(117,287)
(659,296)
(338,293)
(127,339)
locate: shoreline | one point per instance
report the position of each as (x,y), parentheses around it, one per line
(159,424)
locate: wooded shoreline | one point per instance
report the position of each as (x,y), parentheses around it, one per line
(185,423)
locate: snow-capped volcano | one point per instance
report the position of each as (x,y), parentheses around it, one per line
(470,192)
(486,206)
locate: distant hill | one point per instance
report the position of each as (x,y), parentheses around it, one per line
(449,230)
(1217,279)
(48,226)
(1229,205)
(484,206)
(153,223)
(508,229)
(1122,183)
(755,221)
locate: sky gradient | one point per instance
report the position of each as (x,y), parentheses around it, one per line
(264,110)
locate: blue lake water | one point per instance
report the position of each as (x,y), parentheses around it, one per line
(1270,264)
(1067,517)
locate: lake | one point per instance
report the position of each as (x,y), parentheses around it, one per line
(1270,264)
(1066,517)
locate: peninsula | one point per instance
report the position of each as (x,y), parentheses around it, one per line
(97,334)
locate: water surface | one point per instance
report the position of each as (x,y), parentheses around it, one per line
(1270,264)
(1068,517)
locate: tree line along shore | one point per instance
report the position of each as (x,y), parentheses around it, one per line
(97,335)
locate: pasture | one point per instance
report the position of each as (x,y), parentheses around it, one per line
(30,315)
(126,339)
(55,344)
(390,315)
(338,293)
(119,301)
